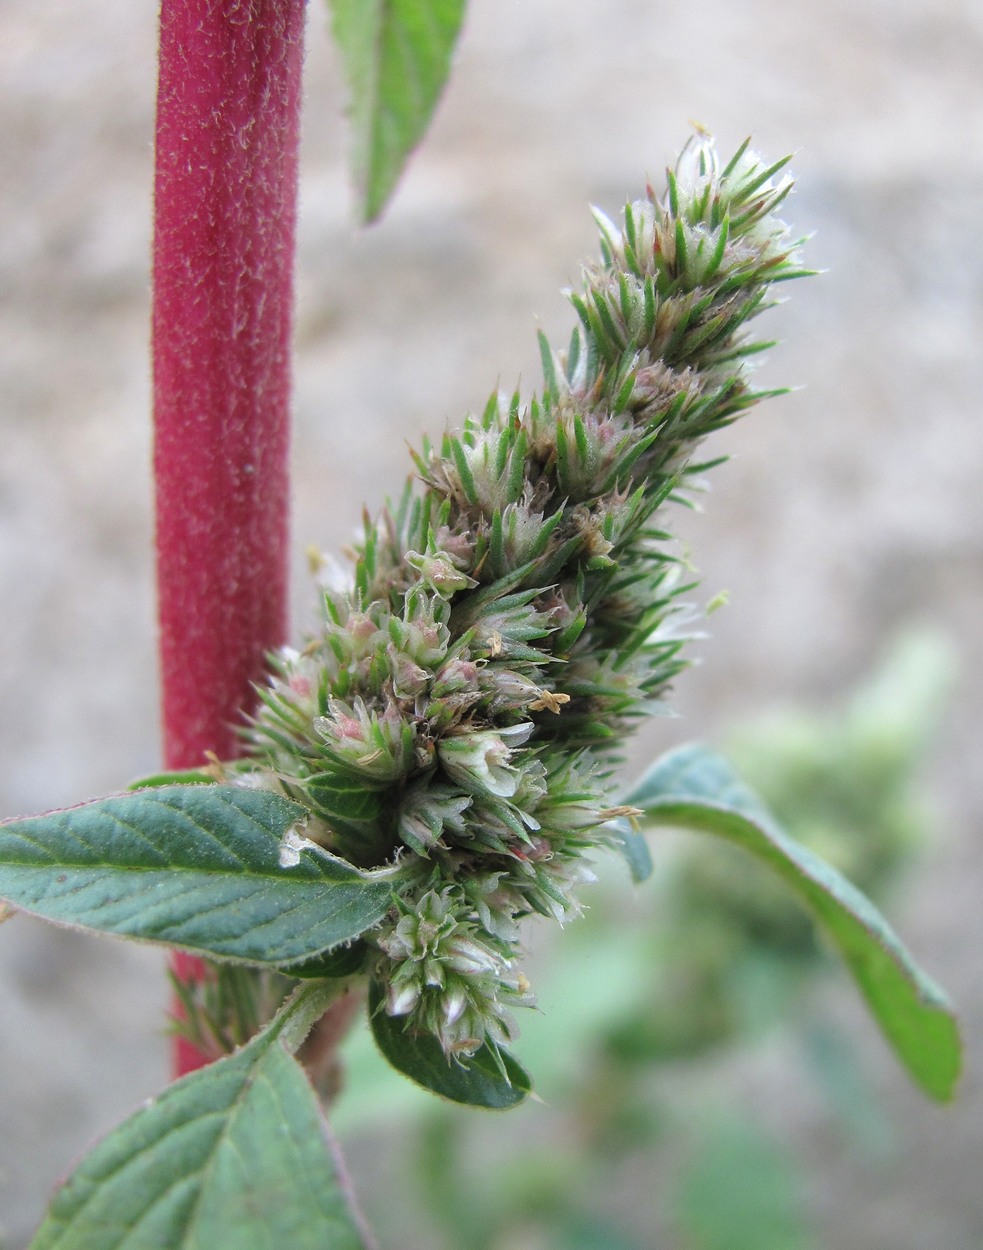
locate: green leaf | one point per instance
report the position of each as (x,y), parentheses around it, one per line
(697,789)
(477,1081)
(397,55)
(635,850)
(183,777)
(354,808)
(343,961)
(234,1157)
(196,867)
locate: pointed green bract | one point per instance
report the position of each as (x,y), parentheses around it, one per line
(233,1157)
(196,867)
(397,56)
(476,1081)
(696,789)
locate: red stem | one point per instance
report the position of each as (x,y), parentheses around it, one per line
(228,130)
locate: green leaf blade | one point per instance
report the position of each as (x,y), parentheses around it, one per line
(474,1082)
(696,789)
(232,1157)
(634,850)
(191,866)
(397,55)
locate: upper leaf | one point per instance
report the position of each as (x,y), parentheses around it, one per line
(397,56)
(697,789)
(477,1081)
(233,1157)
(192,866)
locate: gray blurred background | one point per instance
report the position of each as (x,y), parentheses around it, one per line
(852,507)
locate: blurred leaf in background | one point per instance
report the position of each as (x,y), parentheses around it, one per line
(741,1192)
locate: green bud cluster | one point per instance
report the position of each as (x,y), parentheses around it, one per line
(460,710)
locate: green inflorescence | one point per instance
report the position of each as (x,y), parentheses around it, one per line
(460,710)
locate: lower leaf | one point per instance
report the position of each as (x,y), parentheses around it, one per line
(234,1157)
(478,1081)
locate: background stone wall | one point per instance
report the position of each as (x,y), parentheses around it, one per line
(852,507)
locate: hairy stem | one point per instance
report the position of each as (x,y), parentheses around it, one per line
(228,127)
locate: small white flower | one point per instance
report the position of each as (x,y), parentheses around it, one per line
(401,999)
(468,957)
(454,1005)
(480,760)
